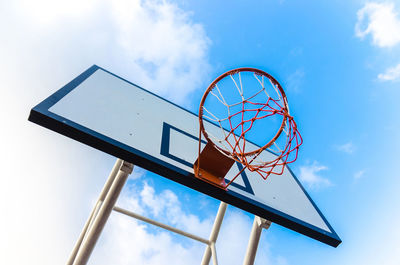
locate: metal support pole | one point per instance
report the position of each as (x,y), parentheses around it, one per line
(98,219)
(103,193)
(213,253)
(164,226)
(258,224)
(214,234)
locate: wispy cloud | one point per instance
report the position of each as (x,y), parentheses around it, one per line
(295,80)
(280,260)
(391,74)
(310,175)
(348,148)
(359,174)
(137,173)
(381,21)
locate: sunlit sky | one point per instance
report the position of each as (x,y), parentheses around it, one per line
(338,61)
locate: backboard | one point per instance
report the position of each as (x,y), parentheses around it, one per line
(120,118)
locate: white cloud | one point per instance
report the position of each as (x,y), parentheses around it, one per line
(309,174)
(46,12)
(359,174)
(148,198)
(348,148)
(154,44)
(381,21)
(47,44)
(390,74)
(166,206)
(168,50)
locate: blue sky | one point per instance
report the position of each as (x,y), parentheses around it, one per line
(338,61)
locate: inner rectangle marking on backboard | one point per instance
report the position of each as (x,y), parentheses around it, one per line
(182,147)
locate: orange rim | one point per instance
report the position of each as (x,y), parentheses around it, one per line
(235,71)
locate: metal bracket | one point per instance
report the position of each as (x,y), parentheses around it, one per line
(212,166)
(263,223)
(126,167)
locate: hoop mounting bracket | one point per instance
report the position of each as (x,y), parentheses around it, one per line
(212,166)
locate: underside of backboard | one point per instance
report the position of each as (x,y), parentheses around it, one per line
(120,118)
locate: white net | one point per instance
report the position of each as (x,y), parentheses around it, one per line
(252,116)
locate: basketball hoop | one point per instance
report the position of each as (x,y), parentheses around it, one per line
(245,103)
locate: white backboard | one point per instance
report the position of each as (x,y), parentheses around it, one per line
(111,114)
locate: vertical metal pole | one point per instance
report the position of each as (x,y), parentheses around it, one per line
(258,224)
(103,193)
(214,233)
(214,253)
(104,212)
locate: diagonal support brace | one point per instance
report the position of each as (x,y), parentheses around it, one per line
(100,213)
